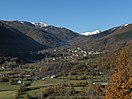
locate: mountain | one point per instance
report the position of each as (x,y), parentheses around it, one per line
(61,33)
(44,34)
(23,36)
(92,33)
(14,42)
(110,39)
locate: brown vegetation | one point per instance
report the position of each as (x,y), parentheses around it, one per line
(120,86)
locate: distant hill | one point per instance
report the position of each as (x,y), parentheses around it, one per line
(110,39)
(14,42)
(49,36)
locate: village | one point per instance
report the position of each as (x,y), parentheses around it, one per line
(71,53)
(57,66)
(51,56)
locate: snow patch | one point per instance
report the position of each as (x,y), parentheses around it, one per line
(91,33)
(40,24)
(125,25)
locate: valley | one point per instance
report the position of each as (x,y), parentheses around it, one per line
(39,61)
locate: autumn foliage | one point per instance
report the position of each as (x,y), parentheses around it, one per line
(120,84)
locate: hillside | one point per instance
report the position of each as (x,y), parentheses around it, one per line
(110,39)
(50,36)
(14,42)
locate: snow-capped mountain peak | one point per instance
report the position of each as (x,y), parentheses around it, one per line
(40,24)
(125,24)
(122,26)
(37,24)
(91,33)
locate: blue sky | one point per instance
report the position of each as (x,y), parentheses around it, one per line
(77,15)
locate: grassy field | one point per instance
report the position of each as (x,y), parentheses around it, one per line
(38,86)
(7,94)
(7,91)
(49,82)
(7,87)
(41,85)
(5,71)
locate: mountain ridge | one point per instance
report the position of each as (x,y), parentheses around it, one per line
(53,38)
(109,39)
(34,37)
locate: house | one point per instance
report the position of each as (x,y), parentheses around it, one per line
(53,59)
(19,81)
(101,73)
(43,78)
(2,67)
(52,76)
